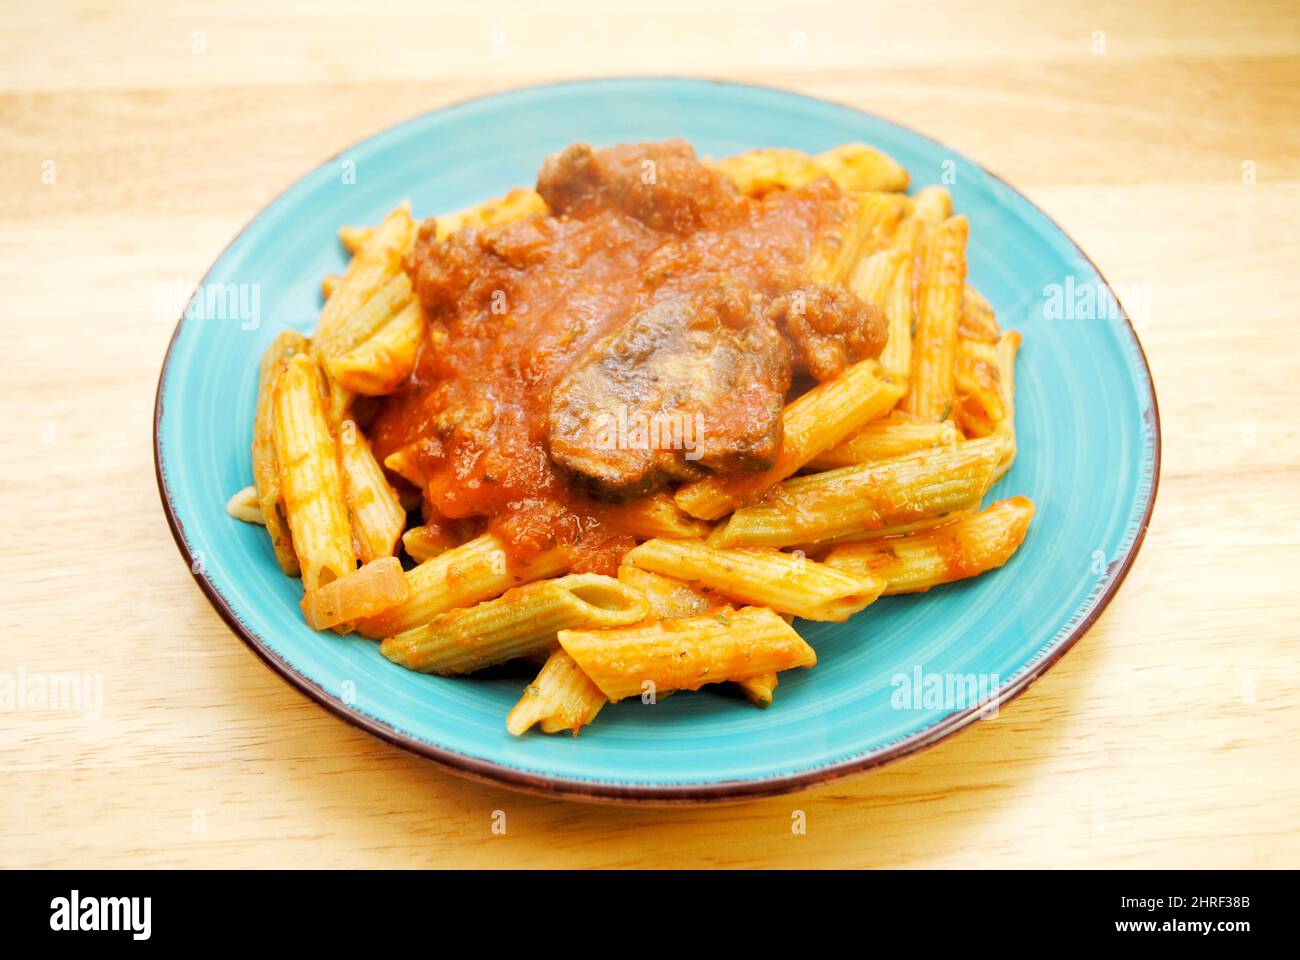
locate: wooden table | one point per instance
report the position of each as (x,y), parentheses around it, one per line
(137,139)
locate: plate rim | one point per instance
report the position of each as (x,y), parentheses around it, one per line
(597,791)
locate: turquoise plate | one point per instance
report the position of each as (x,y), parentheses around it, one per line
(898,677)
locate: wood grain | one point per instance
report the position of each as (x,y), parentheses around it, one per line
(1170,736)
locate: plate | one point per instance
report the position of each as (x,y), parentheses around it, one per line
(898,677)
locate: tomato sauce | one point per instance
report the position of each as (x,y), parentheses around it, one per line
(511,307)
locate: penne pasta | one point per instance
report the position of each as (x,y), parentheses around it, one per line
(464,575)
(518,204)
(933,204)
(561,698)
(266,469)
(244,506)
(354,238)
(964,548)
(377,261)
(371,589)
(931,390)
(1008,347)
(837,503)
(979,393)
(669,599)
(977,321)
(521,622)
(882,439)
(429,540)
(786,582)
(880,214)
(885,279)
(655,516)
(910,238)
(686,654)
(338,401)
(381,363)
(310,477)
(870,227)
(673,600)
(813,423)
(759,689)
(406,464)
(364,297)
(377,514)
(375,313)
(823,547)
(855,166)
(757,173)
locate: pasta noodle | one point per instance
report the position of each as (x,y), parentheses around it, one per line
(933,204)
(823,506)
(882,439)
(473,571)
(760,689)
(656,516)
(1008,347)
(687,654)
(308,458)
(244,506)
(381,362)
(855,167)
(669,599)
(430,540)
(522,621)
(964,548)
(931,392)
(977,379)
(375,262)
(515,205)
(377,515)
(785,582)
(885,279)
(561,698)
(977,321)
(875,218)
(266,470)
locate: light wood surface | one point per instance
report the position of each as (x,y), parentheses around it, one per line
(1169,736)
